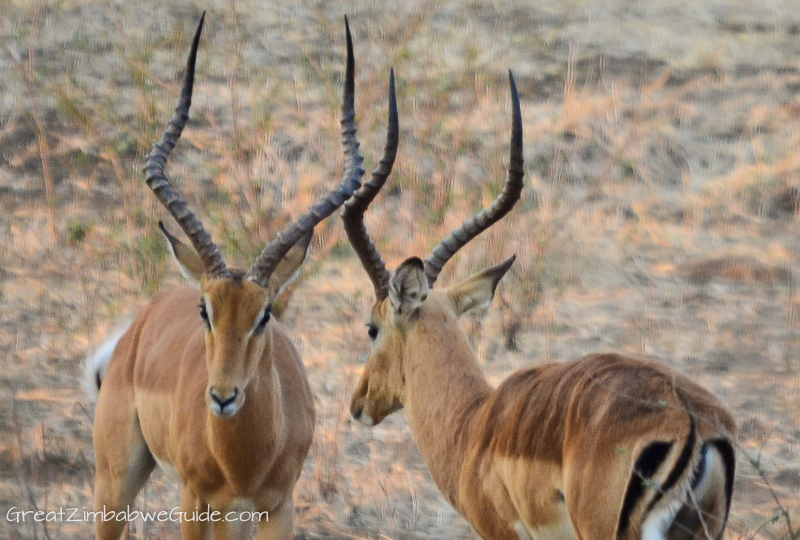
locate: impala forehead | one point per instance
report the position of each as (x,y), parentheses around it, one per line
(379,311)
(240,303)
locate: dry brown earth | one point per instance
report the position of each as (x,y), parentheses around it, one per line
(660,216)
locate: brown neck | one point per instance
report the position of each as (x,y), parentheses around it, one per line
(444,388)
(258,429)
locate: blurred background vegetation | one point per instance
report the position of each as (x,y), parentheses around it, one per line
(659,215)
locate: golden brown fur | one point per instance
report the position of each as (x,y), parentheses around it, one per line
(152,405)
(204,383)
(551,452)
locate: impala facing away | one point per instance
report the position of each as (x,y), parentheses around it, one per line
(203,383)
(604,447)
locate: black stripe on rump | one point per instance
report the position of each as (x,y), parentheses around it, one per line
(648,462)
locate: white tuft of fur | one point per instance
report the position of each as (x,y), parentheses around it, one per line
(94,371)
(703,483)
(658,521)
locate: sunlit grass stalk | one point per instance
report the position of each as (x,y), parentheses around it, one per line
(27,70)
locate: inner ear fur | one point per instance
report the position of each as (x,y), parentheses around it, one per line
(478,290)
(408,286)
(189,262)
(191,266)
(289,267)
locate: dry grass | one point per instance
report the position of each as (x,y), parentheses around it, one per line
(661,145)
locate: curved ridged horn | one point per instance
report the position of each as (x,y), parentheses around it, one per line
(499,208)
(209,253)
(353,210)
(272,254)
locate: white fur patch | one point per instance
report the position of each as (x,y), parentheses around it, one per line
(366,419)
(97,362)
(560,531)
(209,312)
(169,469)
(522,531)
(703,482)
(658,521)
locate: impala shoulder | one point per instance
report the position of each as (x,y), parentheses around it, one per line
(523,418)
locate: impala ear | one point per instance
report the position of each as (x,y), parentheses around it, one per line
(478,290)
(289,267)
(189,262)
(408,286)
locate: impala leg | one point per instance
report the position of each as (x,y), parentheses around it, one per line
(123,464)
(233,528)
(224,531)
(230,530)
(192,529)
(280,525)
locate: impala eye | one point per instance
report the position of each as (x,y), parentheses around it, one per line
(264,318)
(204,313)
(372,331)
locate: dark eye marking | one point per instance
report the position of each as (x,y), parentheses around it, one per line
(262,323)
(372,331)
(204,313)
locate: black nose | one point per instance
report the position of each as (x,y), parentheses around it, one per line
(357,413)
(221,401)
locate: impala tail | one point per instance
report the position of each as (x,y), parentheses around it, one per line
(94,370)
(679,494)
